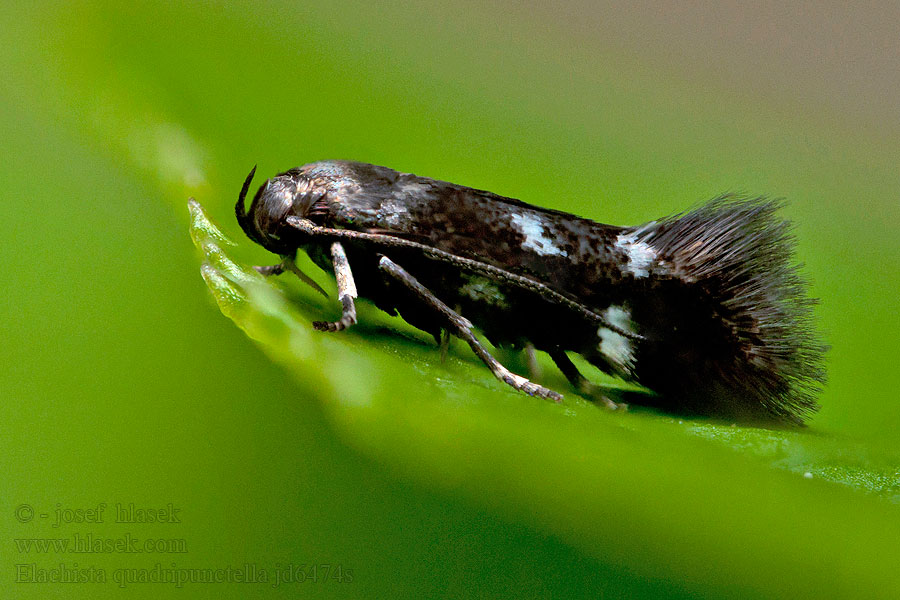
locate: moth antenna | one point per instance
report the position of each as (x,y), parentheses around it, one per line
(240,210)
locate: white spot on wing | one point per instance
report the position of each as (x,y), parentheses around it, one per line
(641,255)
(532,228)
(615,346)
(392,213)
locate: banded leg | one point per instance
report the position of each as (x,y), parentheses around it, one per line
(586,388)
(462,327)
(346,292)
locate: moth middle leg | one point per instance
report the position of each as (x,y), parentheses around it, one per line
(462,328)
(590,390)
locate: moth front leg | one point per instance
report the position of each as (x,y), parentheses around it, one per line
(462,328)
(287,264)
(346,292)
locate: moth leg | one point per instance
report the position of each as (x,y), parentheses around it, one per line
(534,369)
(591,391)
(270,270)
(288,264)
(445,344)
(346,292)
(462,327)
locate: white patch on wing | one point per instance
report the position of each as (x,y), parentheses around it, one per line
(392,214)
(641,255)
(615,346)
(532,228)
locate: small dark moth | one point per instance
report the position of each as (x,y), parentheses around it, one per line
(704,308)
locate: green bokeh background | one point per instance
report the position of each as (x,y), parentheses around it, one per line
(122,381)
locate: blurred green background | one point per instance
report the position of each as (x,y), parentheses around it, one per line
(123,383)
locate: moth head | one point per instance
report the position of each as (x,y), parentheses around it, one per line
(287,194)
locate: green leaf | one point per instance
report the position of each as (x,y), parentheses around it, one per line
(122,382)
(733,510)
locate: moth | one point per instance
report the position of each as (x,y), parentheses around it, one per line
(705,309)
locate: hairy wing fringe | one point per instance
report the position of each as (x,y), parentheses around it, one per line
(741,253)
